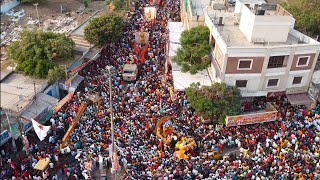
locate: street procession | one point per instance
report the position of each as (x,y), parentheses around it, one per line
(125,120)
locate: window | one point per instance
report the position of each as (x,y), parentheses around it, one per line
(303,61)
(297,80)
(245,64)
(213,42)
(241,83)
(273,83)
(276,61)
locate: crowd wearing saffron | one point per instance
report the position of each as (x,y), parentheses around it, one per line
(285,149)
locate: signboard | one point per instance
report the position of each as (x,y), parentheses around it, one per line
(150,13)
(63,101)
(251,118)
(4,137)
(296,90)
(27,126)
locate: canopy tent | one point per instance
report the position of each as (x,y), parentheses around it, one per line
(299,99)
(42,164)
(183,80)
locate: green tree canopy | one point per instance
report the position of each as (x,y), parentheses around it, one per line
(55,74)
(215,101)
(193,54)
(118,4)
(307,15)
(38,51)
(104,29)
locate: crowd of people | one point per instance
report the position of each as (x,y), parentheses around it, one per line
(284,149)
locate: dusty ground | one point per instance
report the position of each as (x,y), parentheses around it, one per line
(52,9)
(49,10)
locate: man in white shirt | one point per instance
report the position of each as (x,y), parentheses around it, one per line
(53,122)
(51,165)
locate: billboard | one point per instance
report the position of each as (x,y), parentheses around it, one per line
(4,137)
(150,13)
(251,118)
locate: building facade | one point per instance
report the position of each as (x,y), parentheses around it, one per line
(255,47)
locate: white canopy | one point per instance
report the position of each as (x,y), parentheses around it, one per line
(183,80)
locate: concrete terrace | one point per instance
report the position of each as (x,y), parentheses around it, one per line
(230,31)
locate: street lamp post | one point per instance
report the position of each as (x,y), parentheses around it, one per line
(113,148)
(36,5)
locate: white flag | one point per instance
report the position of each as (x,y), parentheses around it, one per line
(40,130)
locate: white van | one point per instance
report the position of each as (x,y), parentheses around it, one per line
(130,72)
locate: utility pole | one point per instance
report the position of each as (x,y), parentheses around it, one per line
(35,92)
(19,118)
(114,151)
(36,5)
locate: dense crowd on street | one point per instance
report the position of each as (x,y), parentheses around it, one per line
(284,149)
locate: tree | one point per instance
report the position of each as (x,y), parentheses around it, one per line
(55,74)
(215,101)
(85,3)
(193,54)
(118,4)
(39,51)
(104,29)
(307,15)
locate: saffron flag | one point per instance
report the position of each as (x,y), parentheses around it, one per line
(40,130)
(283,127)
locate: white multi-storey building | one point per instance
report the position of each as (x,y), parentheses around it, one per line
(254,46)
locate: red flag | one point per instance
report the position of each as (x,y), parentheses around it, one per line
(283,127)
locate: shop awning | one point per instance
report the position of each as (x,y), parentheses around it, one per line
(299,99)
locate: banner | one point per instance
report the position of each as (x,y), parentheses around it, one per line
(185,5)
(141,37)
(40,130)
(4,137)
(150,13)
(66,99)
(27,126)
(77,69)
(251,118)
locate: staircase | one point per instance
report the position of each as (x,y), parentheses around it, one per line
(80,41)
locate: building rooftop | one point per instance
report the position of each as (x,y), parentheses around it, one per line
(43,103)
(19,89)
(233,37)
(230,30)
